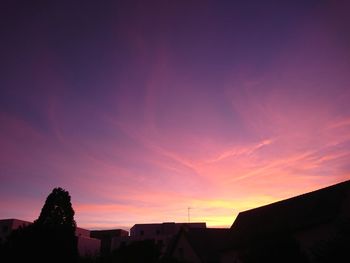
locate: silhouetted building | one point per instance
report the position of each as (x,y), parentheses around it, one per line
(309,222)
(106,237)
(198,245)
(87,245)
(153,231)
(160,233)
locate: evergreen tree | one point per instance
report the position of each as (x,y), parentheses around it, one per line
(50,239)
(55,229)
(57,211)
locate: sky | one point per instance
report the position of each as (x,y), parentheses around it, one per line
(143,109)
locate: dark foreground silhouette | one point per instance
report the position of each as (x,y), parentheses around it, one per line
(314,227)
(51,238)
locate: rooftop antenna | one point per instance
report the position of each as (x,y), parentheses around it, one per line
(188,214)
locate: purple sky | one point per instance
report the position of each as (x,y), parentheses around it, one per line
(141,109)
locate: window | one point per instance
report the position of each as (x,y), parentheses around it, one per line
(142,233)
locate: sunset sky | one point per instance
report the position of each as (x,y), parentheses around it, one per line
(141,109)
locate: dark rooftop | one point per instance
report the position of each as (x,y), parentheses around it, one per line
(293,214)
(206,242)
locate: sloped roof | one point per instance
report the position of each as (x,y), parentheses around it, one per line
(207,242)
(291,215)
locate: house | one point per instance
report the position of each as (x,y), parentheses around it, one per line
(154,231)
(306,224)
(199,245)
(106,237)
(160,233)
(87,245)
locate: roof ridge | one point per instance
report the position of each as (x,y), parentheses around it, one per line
(298,196)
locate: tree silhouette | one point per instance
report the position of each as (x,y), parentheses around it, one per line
(57,211)
(51,238)
(55,228)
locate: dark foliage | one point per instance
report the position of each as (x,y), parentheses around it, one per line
(57,211)
(52,236)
